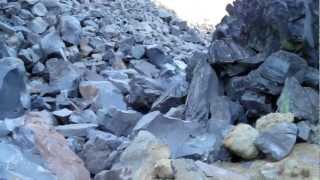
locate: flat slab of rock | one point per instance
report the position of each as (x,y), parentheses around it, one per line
(119,122)
(188,138)
(53,149)
(75,129)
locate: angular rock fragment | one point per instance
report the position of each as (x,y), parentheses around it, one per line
(4,130)
(255,103)
(6,51)
(227,51)
(102,94)
(62,113)
(163,169)
(52,44)
(270,76)
(145,68)
(39,9)
(29,56)
(13,92)
(223,109)
(118,122)
(85,116)
(17,163)
(38,25)
(186,169)
(53,149)
(137,51)
(278,140)
(62,75)
(304,131)
(203,87)
(99,152)
(144,92)
(189,139)
(138,160)
(219,173)
(302,102)
(311,77)
(172,97)
(176,112)
(157,57)
(271,119)
(70,29)
(241,141)
(80,130)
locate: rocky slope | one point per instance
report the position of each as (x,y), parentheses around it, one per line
(119,90)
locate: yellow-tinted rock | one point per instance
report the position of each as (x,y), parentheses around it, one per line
(302,163)
(241,141)
(271,119)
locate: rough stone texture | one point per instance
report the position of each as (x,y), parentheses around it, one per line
(141,156)
(119,122)
(54,150)
(190,139)
(218,173)
(302,163)
(102,94)
(70,29)
(62,75)
(186,169)
(278,140)
(52,43)
(75,129)
(163,169)
(203,87)
(13,93)
(304,130)
(302,102)
(99,151)
(271,119)
(16,164)
(241,141)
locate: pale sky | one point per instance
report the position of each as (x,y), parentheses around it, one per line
(198,11)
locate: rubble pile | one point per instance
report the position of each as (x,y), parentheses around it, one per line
(117,90)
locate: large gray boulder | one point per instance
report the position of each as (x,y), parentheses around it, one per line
(62,75)
(13,93)
(240,141)
(70,29)
(188,139)
(278,140)
(303,102)
(102,95)
(117,121)
(203,87)
(139,158)
(17,164)
(100,151)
